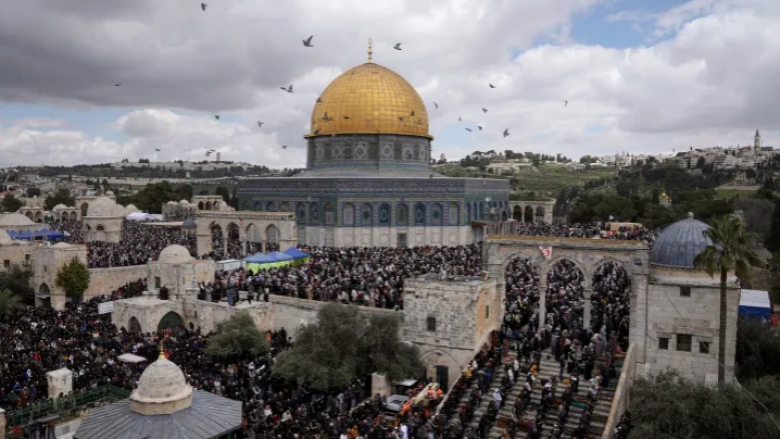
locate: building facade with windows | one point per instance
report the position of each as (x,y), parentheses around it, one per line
(368,179)
(682,308)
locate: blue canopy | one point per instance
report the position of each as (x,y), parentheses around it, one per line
(259,258)
(295,253)
(279,256)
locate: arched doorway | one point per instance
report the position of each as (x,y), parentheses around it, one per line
(253,239)
(170,321)
(64,216)
(539,215)
(133,326)
(73,216)
(217,241)
(84,207)
(43,296)
(517,214)
(610,279)
(200,205)
(272,238)
(100,233)
(528,215)
(233,241)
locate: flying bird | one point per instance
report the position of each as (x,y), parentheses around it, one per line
(216,116)
(400,118)
(397,46)
(157,149)
(260,124)
(208,153)
(346,117)
(288,90)
(468,129)
(212,150)
(565,103)
(203,6)
(492,86)
(480,128)
(307,42)
(284,146)
(319,99)
(460,119)
(506,132)
(412,113)
(435,105)
(117,85)
(484,110)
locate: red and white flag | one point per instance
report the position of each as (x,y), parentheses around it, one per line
(546,252)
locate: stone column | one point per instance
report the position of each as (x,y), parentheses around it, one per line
(2,424)
(586,308)
(542,307)
(60,381)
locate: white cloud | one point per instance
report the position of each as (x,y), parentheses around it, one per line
(708,83)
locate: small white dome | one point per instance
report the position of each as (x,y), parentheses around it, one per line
(184,202)
(109,194)
(60,207)
(130,208)
(15,219)
(160,387)
(104,206)
(175,254)
(171,203)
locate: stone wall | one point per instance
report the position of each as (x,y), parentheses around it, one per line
(620,400)
(106,280)
(15,254)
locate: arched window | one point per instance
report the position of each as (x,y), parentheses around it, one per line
(258,206)
(314,216)
(528,214)
(200,205)
(301,215)
(402,215)
(517,213)
(330,214)
(285,207)
(539,214)
(419,214)
(384,214)
(270,207)
(436,214)
(367,214)
(453,215)
(348,215)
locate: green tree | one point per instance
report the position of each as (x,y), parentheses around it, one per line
(151,198)
(62,196)
(33,192)
(224,193)
(772,240)
(344,345)
(666,407)
(11,203)
(9,301)
(73,277)
(17,280)
(758,350)
(731,251)
(237,338)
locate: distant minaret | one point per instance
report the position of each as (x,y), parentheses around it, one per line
(218,158)
(757,141)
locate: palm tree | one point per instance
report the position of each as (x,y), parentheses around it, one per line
(731,251)
(9,302)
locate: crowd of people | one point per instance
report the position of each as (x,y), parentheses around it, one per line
(576,230)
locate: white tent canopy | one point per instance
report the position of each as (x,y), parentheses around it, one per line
(131,358)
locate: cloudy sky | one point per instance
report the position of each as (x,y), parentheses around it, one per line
(639,75)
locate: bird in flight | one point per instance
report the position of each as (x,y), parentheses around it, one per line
(484,110)
(480,128)
(435,105)
(216,116)
(468,129)
(397,46)
(203,6)
(319,99)
(506,132)
(117,85)
(212,150)
(412,113)
(284,146)
(346,117)
(307,42)
(157,149)
(492,86)
(460,119)
(400,118)
(565,103)
(288,90)
(260,124)
(208,153)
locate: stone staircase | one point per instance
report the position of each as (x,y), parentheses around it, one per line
(548,369)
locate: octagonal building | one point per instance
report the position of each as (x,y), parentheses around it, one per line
(368,180)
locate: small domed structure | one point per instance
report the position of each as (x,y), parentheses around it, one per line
(162,390)
(14,220)
(130,208)
(175,254)
(184,202)
(60,207)
(104,206)
(189,224)
(109,194)
(679,243)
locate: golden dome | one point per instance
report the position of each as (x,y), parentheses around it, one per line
(369,99)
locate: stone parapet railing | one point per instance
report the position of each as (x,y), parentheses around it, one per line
(620,401)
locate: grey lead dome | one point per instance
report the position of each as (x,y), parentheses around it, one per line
(679,243)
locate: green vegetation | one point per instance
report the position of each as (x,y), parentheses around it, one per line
(550,180)
(9,301)
(16,279)
(11,203)
(731,251)
(237,338)
(758,351)
(62,196)
(344,345)
(151,198)
(73,277)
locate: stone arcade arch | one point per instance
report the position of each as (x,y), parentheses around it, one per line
(587,254)
(532,211)
(133,326)
(170,321)
(252,226)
